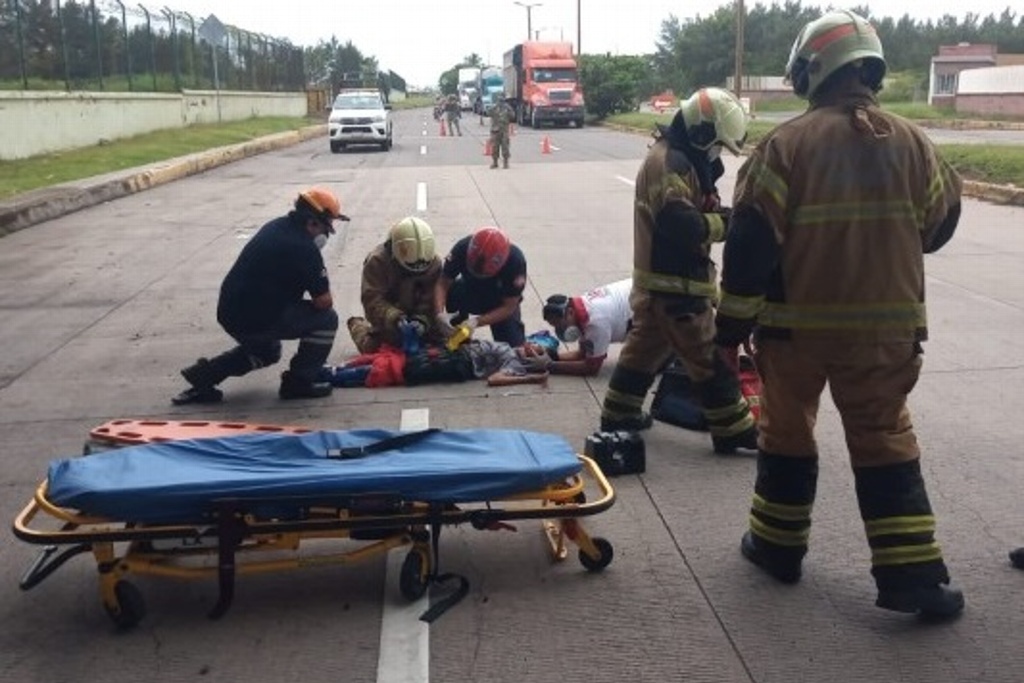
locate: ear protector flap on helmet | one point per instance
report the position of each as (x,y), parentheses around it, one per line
(799,77)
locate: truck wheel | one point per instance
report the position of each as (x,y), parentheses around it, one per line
(533,119)
(335,147)
(579,123)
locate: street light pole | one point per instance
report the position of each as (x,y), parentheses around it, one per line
(529,19)
(579,21)
(738,76)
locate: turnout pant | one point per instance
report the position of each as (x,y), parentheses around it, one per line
(661,327)
(869,384)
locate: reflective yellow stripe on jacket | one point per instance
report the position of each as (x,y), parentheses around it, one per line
(671,284)
(897,315)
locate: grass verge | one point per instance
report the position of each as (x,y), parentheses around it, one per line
(1000,164)
(23,175)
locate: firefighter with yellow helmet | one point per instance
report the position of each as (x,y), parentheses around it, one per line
(677,217)
(832,215)
(397,288)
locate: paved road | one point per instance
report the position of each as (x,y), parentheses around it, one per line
(101,308)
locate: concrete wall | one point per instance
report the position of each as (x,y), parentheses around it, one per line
(991,105)
(39,122)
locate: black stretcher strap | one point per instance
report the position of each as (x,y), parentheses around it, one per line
(389,444)
(454,598)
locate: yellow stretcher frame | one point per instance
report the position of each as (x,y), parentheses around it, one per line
(240,541)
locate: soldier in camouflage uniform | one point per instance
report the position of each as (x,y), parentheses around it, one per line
(502,116)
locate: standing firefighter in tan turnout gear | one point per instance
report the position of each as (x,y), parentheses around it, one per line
(824,261)
(677,217)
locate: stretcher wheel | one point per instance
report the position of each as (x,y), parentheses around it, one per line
(412,582)
(604,547)
(131,607)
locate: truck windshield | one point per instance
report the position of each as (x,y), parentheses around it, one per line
(357,102)
(554,75)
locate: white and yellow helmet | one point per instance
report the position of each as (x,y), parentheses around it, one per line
(714,117)
(412,244)
(830,42)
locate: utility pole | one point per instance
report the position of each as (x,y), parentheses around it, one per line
(579,27)
(738,75)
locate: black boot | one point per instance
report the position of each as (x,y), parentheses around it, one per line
(293,386)
(726,411)
(779,567)
(727,445)
(906,561)
(935,603)
(780,515)
(627,424)
(1017,558)
(203,377)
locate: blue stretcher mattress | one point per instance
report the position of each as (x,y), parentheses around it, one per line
(179,481)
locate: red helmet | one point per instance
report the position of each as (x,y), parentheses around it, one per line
(488,250)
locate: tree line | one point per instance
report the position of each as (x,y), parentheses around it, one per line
(44,43)
(701,51)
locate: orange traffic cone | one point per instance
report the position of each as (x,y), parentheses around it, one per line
(443,133)
(545,146)
(488,149)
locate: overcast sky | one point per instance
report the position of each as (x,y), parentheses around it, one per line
(419,39)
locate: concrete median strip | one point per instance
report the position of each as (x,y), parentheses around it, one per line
(41,205)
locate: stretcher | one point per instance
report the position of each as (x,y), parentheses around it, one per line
(146,501)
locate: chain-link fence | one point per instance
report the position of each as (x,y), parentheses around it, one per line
(108,45)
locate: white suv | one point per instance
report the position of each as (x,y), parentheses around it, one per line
(359,117)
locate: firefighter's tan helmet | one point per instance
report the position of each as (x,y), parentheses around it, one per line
(828,43)
(714,117)
(412,244)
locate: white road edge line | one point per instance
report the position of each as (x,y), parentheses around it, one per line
(423,149)
(421,196)
(631,183)
(404,655)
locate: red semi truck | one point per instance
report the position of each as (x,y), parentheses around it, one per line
(542,79)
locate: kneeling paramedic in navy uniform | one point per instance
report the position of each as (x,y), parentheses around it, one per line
(263,300)
(482,281)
